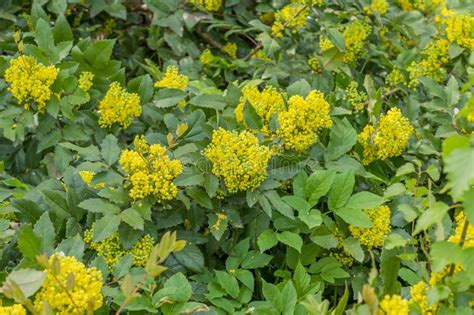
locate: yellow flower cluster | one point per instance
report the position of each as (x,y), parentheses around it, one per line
(375,235)
(85,80)
(309,2)
(84,291)
(456,238)
(303,119)
(30,81)
(394,305)
(150,170)
(423,5)
(379,6)
(230,49)
(206,57)
(15,309)
(118,106)
(266,103)
(111,249)
(388,139)
(355,98)
(290,16)
(342,255)
(87,176)
(173,80)
(418,296)
(434,57)
(459,28)
(354,34)
(260,55)
(394,78)
(315,64)
(238,158)
(208,5)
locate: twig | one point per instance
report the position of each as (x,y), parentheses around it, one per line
(132,295)
(208,38)
(260,45)
(461,242)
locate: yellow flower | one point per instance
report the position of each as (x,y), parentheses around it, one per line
(118,106)
(290,16)
(342,254)
(388,139)
(266,103)
(357,99)
(298,126)
(394,305)
(206,57)
(456,238)
(150,171)
(380,6)
(309,2)
(315,64)
(87,176)
(208,5)
(30,81)
(459,28)
(354,33)
(112,250)
(84,291)
(15,309)
(394,78)
(260,55)
(434,57)
(85,80)
(230,49)
(375,235)
(418,296)
(238,158)
(423,5)
(173,80)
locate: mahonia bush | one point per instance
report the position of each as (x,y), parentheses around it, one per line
(118,107)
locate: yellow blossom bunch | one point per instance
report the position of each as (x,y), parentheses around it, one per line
(373,236)
(315,64)
(30,81)
(418,297)
(173,80)
(15,309)
(456,238)
(266,103)
(379,6)
(388,139)
(208,5)
(238,158)
(118,106)
(230,49)
(87,176)
(354,33)
(394,78)
(434,57)
(290,16)
(356,98)
(150,170)
(458,27)
(85,80)
(317,3)
(342,254)
(394,305)
(84,291)
(298,126)
(206,57)
(260,55)
(111,249)
(423,5)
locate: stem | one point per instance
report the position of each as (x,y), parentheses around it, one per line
(208,38)
(260,45)
(461,243)
(131,296)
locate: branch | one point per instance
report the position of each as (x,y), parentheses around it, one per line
(208,38)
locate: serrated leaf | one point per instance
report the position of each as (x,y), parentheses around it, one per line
(341,190)
(99,205)
(110,150)
(132,218)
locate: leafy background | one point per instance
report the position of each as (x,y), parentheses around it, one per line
(277,249)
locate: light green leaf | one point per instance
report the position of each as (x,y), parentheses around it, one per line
(267,240)
(364,200)
(341,190)
(110,150)
(291,239)
(132,218)
(99,205)
(105,227)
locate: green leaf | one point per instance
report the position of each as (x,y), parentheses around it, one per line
(273,295)
(354,248)
(98,205)
(44,229)
(168,97)
(434,215)
(341,305)
(98,54)
(73,246)
(444,253)
(312,219)
(291,239)
(110,150)
(190,257)
(278,204)
(297,203)
(364,200)
(254,260)
(354,217)
(56,200)
(132,218)
(105,227)
(459,165)
(267,240)
(228,283)
(214,101)
(289,298)
(62,31)
(390,265)
(318,185)
(336,38)
(341,190)
(122,267)
(51,139)
(28,243)
(176,289)
(342,138)
(28,280)
(252,119)
(300,87)
(44,37)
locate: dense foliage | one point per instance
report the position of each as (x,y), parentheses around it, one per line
(237,157)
